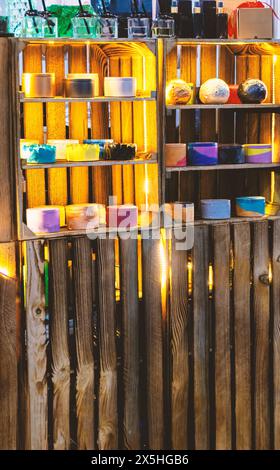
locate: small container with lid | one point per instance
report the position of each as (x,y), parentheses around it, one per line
(33,24)
(138,26)
(107,26)
(163,27)
(84,25)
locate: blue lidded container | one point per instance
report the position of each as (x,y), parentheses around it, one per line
(250,206)
(215,209)
(202,153)
(231,154)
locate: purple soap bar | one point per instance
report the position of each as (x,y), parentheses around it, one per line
(203,153)
(43,220)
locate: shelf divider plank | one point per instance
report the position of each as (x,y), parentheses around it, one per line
(241,166)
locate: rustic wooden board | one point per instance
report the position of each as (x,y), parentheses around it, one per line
(154,342)
(79,184)
(130,324)
(56,127)
(242,331)
(8,347)
(201,312)
(82,277)
(59,341)
(179,348)
(36,344)
(33,129)
(221,241)
(108,409)
(276,329)
(261,337)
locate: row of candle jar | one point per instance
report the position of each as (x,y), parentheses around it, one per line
(100,27)
(73,151)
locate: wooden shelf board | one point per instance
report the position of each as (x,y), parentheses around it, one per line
(234,107)
(68,40)
(241,166)
(98,99)
(225,42)
(66,164)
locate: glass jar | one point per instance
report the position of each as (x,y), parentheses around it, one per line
(138,27)
(107,26)
(16,12)
(84,26)
(32,25)
(50,26)
(163,27)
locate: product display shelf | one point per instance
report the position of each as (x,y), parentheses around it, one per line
(241,166)
(274,107)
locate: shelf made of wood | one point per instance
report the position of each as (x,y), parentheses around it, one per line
(224,107)
(240,166)
(97,99)
(66,164)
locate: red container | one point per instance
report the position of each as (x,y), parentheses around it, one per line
(233,97)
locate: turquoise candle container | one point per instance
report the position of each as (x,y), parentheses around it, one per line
(39,153)
(251,206)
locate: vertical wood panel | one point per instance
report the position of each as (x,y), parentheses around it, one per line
(154,341)
(127,134)
(59,343)
(179,349)
(130,316)
(201,338)
(108,410)
(242,330)
(82,276)
(221,239)
(36,346)
(276,329)
(116,132)
(261,337)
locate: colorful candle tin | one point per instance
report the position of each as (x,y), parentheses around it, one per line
(120,86)
(215,209)
(175,155)
(86,76)
(250,206)
(79,87)
(103,144)
(123,216)
(121,152)
(61,146)
(82,152)
(233,95)
(39,153)
(61,213)
(85,216)
(231,154)
(203,153)
(43,219)
(258,153)
(38,85)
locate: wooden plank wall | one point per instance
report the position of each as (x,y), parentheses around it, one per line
(212,382)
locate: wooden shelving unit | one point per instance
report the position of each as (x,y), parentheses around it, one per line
(99,99)
(227,107)
(241,166)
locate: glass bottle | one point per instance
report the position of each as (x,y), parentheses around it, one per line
(222,22)
(16,11)
(197,21)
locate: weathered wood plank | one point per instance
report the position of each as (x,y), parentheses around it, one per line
(59,343)
(261,336)
(201,338)
(276,328)
(130,323)
(179,348)
(154,341)
(242,333)
(8,348)
(82,276)
(221,241)
(36,347)
(108,411)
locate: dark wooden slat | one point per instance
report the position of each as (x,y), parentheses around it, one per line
(8,349)
(201,338)
(82,276)
(261,336)
(242,329)
(130,316)
(221,240)
(108,413)
(276,329)
(154,338)
(59,344)
(36,347)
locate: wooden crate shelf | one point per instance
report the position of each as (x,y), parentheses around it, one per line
(99,99)
(228,107)
(241,166)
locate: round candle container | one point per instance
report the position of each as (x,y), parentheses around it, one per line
(175,155)
(40,153)
(233,95)
(61,209)
(203,153)
(120,86)
(123,216)
(258,153)
(87,76)
(251,206)
(24,152)
(43,220)
(231,154)
(103,144)
(85,216)
(121,151)
(79,87)
(82,152)
(215,209)
(60,146)
(38,85)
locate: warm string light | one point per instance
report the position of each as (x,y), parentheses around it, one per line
(163,271)
(210,278)
(190,277)
(270,274)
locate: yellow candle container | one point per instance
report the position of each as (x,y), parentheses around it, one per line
(82,152)
(85,216)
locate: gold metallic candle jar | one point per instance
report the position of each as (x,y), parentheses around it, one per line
(38,85)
